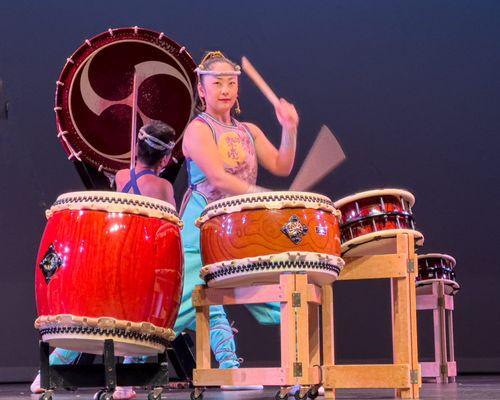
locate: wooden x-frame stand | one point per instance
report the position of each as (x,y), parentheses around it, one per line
(404,373)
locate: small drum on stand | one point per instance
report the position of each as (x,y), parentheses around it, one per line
(371,220)
(435,267)
(109,266)
(251,239)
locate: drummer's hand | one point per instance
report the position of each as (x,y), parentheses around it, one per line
(287,115)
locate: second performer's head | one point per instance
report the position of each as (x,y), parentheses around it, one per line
(218,84)
(154,145)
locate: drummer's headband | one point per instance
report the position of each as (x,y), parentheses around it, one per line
(154,142)
(218,56)
(201,71)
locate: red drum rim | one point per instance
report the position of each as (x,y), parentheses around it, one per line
(115,202)
(358,242)
(321,268)
(269,201)
(376,193)
(94,94)
(438,255)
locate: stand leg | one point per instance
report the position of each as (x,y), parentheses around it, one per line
(109,365)
(45,381)
(451,342)
(327,312)
(404,314)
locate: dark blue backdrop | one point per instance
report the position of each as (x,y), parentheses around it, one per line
(411,88)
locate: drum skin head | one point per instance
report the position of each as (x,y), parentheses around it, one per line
(94,94)
(375,243)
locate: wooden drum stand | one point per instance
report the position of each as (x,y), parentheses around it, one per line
(404,373)
(300,336)
(433,297)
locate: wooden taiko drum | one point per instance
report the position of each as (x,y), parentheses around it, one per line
(251,239)
(435,267)
(109,266)
(371,220)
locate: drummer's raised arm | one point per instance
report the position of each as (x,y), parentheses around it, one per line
(278,161)
(200,146)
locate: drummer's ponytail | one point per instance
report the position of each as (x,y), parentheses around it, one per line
(155,141)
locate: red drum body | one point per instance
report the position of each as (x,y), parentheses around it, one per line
(109,265)
(371,220)
(436,267)
(250,239)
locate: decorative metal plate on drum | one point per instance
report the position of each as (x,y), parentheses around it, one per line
(94,94)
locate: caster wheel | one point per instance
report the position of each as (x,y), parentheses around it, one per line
(46,396)
(155,394)
(196,394)
(313,393)
(281,396)
(103,395)
(300,395)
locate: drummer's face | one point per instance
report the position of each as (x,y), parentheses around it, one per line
(220,92)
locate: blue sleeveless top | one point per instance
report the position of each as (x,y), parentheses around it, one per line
(132,183)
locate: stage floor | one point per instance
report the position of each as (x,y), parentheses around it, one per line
(467,388)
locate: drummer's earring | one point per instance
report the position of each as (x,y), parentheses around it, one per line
(237,108)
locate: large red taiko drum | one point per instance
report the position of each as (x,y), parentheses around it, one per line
(109,266)
(251,239)
(371,220)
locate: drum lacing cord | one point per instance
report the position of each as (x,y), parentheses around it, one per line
(232,333)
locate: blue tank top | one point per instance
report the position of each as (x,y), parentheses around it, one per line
(132,183)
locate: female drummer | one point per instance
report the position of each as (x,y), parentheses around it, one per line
(154,146)
(222,156)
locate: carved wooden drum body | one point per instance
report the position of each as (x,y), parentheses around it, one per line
(251,239)
(109,266)
(435,267)
(371,220)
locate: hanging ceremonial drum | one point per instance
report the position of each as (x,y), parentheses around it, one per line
(436,267)
(109,266)
(251,239)
(95,97)
(371,220)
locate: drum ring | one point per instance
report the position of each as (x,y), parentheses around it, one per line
(101,332)
(256,199)
(266,265)
(102,199)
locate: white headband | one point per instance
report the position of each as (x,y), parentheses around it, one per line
(202,71)
(154,142)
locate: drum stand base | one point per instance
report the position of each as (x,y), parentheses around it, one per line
(444,367)
(300,337)
(108,375)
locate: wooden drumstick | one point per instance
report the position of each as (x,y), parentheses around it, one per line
(259,81)
(325,155)
(133,124)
